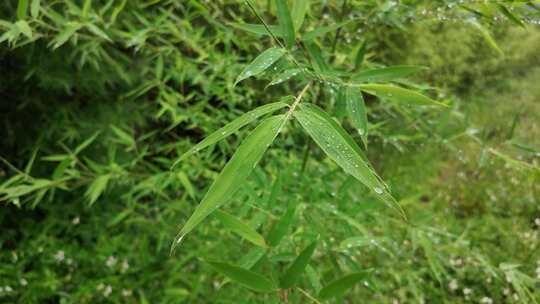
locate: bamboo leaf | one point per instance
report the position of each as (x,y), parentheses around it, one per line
(70,29)
(232,127)
(34,8)
(282,226)
(385,74)
(298,13)
(340,286)
(360,55)
(258,29)
(399,94)
(22,8)
(318,61)
(508,14)
(240,228)
(261,63)
(249,279)
(323,30)
(86,8)
(341,148)
(285,22)
(235,172)
(292,274)
(487,37)
(24,28)
(97,187)
(284,76)
(356,109)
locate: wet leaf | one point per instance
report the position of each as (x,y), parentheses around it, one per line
(249,279)
(356,110)
(399,94)
(295,270)
(340,286)
(285,22)
(323,30)
(240,228)
(284,76)
(261,63)
(385,74)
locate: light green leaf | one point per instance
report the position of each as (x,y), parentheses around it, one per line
(356,109)
(24,28)
(232,127)
(235,172)
(249,279)
(97,187)
(261,63)
(258,29)
(506,12)
(86,8)
(341,148)
(284,76)
(318,61)
(360,55)
(69,30)
(97,31)
(357,241)
(22,8)
(398,94)
(340,286)
(86,143)
(285,22)
(282,226)
(385,74)
(487,37)
(34,8)
(240,228)
(323,30)
(292,274)
(298,13)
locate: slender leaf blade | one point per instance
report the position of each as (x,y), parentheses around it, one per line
(284,76)
(258,29)
(247,278)
(298,13)
(285,22)
(386,74)
(97,187)
(22,8)
(235,172)
(341,285)
(261,63)
(323,30)
(232,127)
(356,109)
(240,228)
(292,274)
(398,94)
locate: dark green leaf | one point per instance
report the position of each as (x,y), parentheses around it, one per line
(385,74)
(282,226)
(235,172)
(323,30)
(506,12)
(340,286)
(258,29)
(318,62)
(285,22)
(284,76)
(22,8)
(298,13)
(356,110)
(398,94)
(292,274)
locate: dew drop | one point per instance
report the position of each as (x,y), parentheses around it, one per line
(378,190)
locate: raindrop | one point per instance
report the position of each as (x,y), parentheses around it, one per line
(378,190)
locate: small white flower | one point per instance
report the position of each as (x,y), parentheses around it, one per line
(515,296)
(486,300)
(467,291)
(76,220)
(537,222)
(506,291)
(125,266)
(126,292)
(107,291)
(8,288)
(453,285)
(59,256)
(23,282)
(100,286)
(111,261)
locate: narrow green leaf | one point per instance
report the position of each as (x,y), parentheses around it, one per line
(385,74)
(360,55)
(22,8)
(232,127)
(282,226)
(298,13)
(508,14)
(34,8)
(285,22)
(292,274)
(261,63)
(341,148)
(86,143)
(318,62)
(249,279)
(356,109)
(340,286)
(97,187)
(235,172)
(240,228)
(399,94)
(323,30)
(69,30)
(284,76)
(258,29)
(252,257)
(97,31)
(487,37)
(86,8)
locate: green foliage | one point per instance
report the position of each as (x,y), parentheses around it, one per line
(116,123)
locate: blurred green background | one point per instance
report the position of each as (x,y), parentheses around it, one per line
(99,98)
